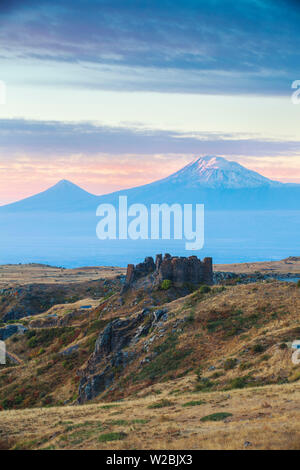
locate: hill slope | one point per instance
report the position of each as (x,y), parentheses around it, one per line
(259,419)
(223,352)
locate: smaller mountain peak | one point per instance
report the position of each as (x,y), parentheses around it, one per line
(64,182)
(65,187)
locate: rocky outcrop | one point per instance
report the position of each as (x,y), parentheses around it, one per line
(53,320)
(108,356)
(179,270)
(223,277)
(114,350)
(33,299)
(70,350)
(10,330)
(140,270)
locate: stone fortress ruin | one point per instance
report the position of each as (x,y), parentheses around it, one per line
(180,270)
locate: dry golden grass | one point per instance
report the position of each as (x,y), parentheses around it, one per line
(207,348)
(277,307)
(17,275)
(279,267)
(268,418)
(62,309)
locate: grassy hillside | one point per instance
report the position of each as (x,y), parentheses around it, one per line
(257,418)
(290,265)
(215,350)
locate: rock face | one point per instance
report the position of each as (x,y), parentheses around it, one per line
(223,277)
(10,330)
(108,356)
(179,270)
(33,299)
(140,270)
(115,348)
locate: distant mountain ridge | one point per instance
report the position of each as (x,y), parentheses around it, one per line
(63,196)
(214,181)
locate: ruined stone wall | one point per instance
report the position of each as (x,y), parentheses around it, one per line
(142,269)
(179,270)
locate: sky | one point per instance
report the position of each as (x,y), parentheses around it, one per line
(112,94)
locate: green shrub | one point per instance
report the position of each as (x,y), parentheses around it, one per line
(191,317)
(245,365)
(232,323)
(216,417)
(283,346)
(118,422)
(112,436)
(32,342)
(298,283)
(204,289)
(45,336)
(168,359)
(166,284)
(160,404)
(198,373)
(295,376)
(258,348)
(238,382)
(42,370)
(193,403)
(30,334)
(230,363)
(216,375)
(204,385)
(108,407)
(97,325)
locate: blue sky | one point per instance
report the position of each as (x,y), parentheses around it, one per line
(113,86)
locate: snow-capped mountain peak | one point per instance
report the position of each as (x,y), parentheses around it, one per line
(217,172)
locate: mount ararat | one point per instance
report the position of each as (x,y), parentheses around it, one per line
(213,181)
